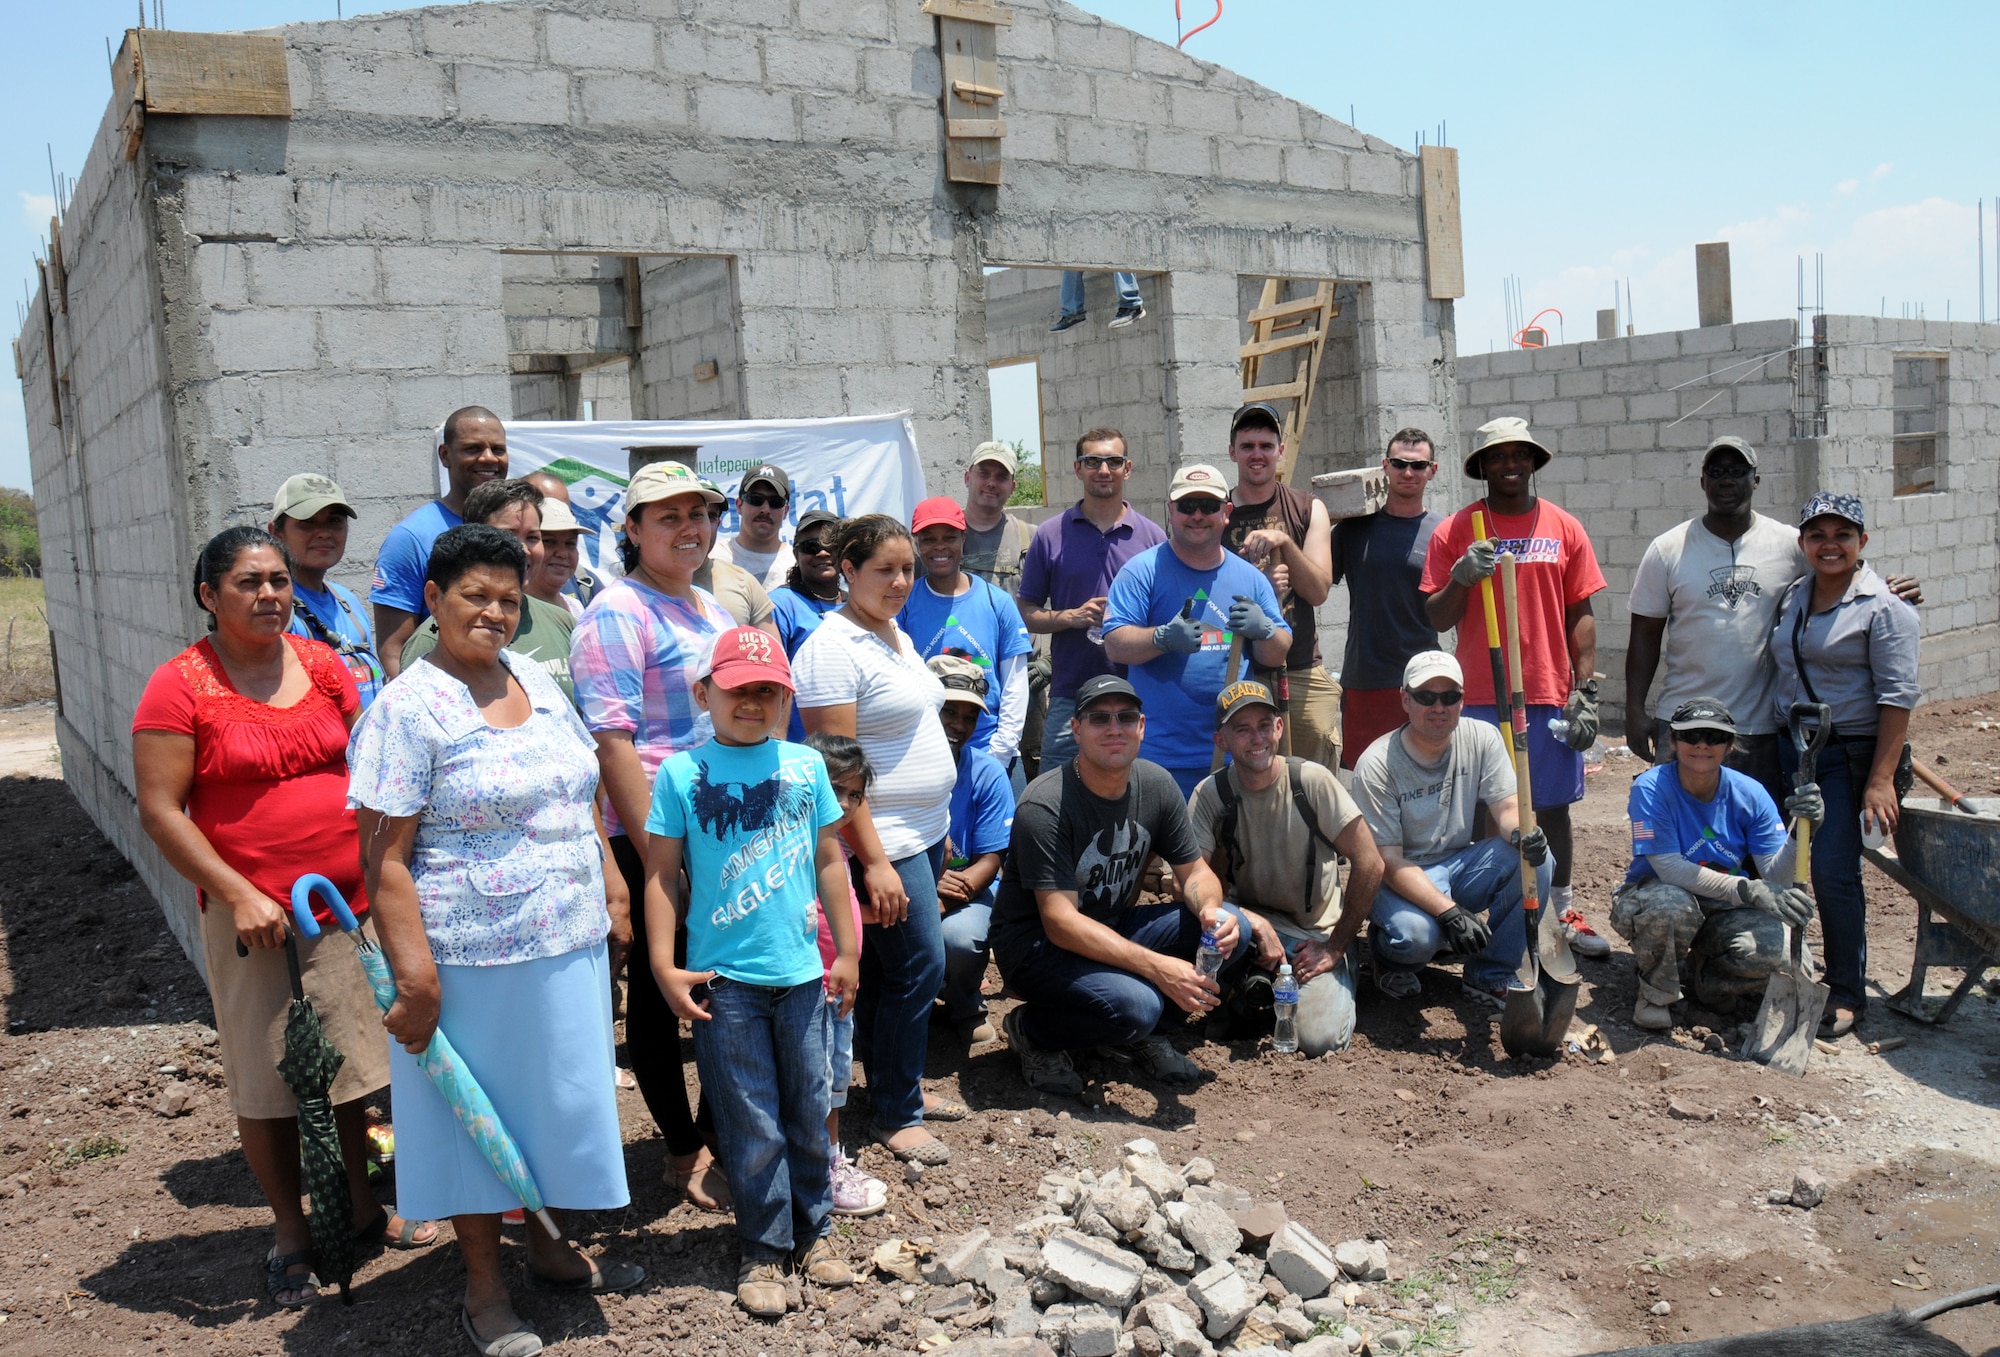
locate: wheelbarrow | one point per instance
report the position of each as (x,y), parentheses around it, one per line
(1949,861)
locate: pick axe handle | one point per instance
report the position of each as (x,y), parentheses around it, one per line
(1228,677)
(1517,716)
(1492,626)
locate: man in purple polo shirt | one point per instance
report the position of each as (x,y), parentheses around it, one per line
(1066,579)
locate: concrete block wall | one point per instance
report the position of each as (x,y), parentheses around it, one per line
(568,304)
(690,319)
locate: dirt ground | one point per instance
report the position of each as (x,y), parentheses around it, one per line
(1596,1190)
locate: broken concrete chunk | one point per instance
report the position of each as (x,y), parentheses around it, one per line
(1047,1290)
(980,1345)
(175,1099)
(1198,1170)
(1014,1313)
(1808,1189)
(1293,1324)
(1175,1256)
(1224,1299)
(952,1263)
(951,1301)
(1327,1310)
(1093,1331)
(1304,1265)
(1326,1345)
(1210,1232)
(1142,1146)
(989,1269)
(1150,1173)
(1091,1268)
(1365,1260)
(1123,1208)
(1180,1333)
(1260,1223)
(1228,1197)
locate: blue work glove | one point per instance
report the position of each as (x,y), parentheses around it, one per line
(1182,636)
(1534,846)
(1249,621)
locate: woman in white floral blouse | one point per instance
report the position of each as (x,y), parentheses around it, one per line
(474,781)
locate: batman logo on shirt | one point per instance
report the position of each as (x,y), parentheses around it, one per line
(1109,866)
(1733,584)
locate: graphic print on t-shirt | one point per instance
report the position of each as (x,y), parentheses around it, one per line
(1734,583)
(1109,868)
(1530,550)
(770,812)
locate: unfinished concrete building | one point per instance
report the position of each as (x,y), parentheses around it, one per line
(299,251)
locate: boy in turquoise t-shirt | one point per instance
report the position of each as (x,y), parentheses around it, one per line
(752,820)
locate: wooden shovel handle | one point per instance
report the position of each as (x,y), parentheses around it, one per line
(1937,784)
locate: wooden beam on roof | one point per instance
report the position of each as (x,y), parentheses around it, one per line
(158,71)
(1444,247)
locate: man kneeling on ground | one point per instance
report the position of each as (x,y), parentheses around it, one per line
(1687,902)
(1419,786)
(1274,829)
(1094,967)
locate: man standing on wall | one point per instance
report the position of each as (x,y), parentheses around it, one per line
(1558,574)
(1287,533)
(473,449)
(1380,557)
(1066,579)
(763,498)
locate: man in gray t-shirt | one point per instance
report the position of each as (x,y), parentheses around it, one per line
(1420,787)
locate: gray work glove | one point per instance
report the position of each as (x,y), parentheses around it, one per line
(1534,846)
(1581,713)
(1464,934)
(1249,621)
(1478,563)
(1182,636)
(1807,802)
(1793,904)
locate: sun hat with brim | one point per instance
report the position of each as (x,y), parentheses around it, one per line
(306,494)
(556,517)
(963,679)
(1702,713)
(664,480)
(1840,506)
(1497,433)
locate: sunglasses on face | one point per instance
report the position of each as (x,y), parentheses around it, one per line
(812,546)
(1707,737)
(1728,471)
(1423,697)
(758,499)
(1405,464)
(1124,716)
(1197,504)
(1095,463)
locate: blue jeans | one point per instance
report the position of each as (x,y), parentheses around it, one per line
(1072,292)
(1072,1001)
(1058,745)
(1483,879)
(762,1057)
(1836,874)
(965,956)
(902,968)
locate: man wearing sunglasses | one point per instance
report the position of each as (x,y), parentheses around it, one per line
(1172,615)
(763,498)
(1093,966)
(1421,788)
(1688,904)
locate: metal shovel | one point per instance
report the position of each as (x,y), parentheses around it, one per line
(1788,1020)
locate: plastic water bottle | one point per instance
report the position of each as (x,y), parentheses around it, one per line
(1559,729)
(1208,961)
(1285,1009)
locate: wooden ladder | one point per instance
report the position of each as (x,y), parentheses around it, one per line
(1299,327)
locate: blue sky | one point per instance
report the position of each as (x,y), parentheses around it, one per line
(1597,142)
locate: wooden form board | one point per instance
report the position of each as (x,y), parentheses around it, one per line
(159,71)
(1297,326)
(1444,247)
(969,49)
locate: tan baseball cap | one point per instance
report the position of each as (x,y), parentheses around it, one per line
(1198,479)
(963,679)
(306,494)
(996,451)
(1498,432)
(556,517)
(664,480)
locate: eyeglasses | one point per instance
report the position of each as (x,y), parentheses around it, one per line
(1727,471)
(757,499)
(1707,737)
(1197,504)
(1095,463)
(1124,716)
(1423,697)
(1406,464)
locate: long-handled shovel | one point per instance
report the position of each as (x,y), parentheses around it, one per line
(1542,1000)
(1788,1020)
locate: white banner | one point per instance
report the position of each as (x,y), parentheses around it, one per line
(856,464)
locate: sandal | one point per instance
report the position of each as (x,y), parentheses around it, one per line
(945,1109)
(698,1185)
(519,1341)
(278,1278)
(617,1277)
(374,1235)
(929,1153)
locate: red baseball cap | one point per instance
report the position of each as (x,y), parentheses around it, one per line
(742,656)
(938,509)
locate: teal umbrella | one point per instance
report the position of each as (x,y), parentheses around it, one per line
(309,1066)
(439,1060)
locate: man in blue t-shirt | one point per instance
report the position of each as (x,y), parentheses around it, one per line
(473,450)
(811,590)
(1172,614)
(1687,900)
(982,820)
(310,516)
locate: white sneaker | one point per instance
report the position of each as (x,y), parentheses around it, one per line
(855,1193)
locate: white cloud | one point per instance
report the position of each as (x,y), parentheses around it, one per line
(36,209)
(1880,171)
(1846,186)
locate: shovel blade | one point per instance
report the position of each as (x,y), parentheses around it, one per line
(1536,1020)
(1782,1036)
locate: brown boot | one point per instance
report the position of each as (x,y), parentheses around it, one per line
(760,1289)
(823,1266)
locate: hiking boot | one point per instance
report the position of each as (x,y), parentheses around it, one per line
(1045,1071)
(855,1192)
(1069,320)
(1652,1017)
(1126,315)
(1582,938)
(760,1289)
(1398,984)
(821,1265)
(1159,1058)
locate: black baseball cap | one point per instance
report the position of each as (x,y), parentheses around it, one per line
(772,476)
(1702,713)
(812,518)
(1237,696)
(1256,414)
(1101,687)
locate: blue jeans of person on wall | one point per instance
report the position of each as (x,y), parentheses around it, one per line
(1484,878)
(902,968)
(1072,292)
(1058,744)
(1836,874)
(965,931)
(1073,1002)
(762,1056)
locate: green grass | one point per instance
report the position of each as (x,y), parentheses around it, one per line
(27,665)
(1478,1284)
(71,1153)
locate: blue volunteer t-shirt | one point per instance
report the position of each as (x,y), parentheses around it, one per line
(983,624)
(797,616)
(405,555)
(1178,691)
(750,816)
(982,808)
(334,618)
(1740,823)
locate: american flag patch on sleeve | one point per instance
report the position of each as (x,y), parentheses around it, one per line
(1642,833)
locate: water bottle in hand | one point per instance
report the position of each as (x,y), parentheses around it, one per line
(1285,1009)
(1559,729)
(1208,961)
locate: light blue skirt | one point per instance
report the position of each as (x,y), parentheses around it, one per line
(537,1035)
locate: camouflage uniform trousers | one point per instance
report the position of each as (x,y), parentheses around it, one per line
(1729,953)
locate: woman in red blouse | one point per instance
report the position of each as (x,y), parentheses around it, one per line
(239,747)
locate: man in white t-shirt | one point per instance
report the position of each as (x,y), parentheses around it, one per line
(1705,598)
(763,498)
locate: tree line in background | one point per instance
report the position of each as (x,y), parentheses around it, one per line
(20,541)
(1028,479)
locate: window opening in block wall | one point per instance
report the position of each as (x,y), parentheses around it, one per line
(1015,391)
(1919,393)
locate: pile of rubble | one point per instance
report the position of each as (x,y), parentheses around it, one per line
(1140,1261)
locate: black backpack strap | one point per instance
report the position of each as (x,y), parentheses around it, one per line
(1225,825)
(1295,766)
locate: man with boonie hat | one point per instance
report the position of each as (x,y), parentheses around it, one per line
(1688,905)
(982,818)
(310,516)
(1421,787)
(763,498)
(1274,828)
(1094,967)
(1172,614)
(561,554)
(1557,572)
(583,582)
(1703,602)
